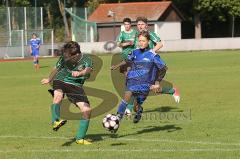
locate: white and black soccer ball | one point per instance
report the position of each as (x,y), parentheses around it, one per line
(111,122)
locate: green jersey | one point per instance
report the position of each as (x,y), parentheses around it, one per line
(126,37)
(154,38)
(65,71)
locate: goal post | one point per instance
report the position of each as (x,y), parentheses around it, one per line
(12,45)
(16,44)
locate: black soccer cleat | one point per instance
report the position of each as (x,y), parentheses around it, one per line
(138,115)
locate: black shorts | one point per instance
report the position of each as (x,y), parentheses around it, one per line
(74,93)
(124,68)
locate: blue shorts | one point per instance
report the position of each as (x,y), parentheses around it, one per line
(138,87)
(35,53)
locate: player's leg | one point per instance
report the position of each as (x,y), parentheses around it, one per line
(36,60)
(124,70)
(167,87)
(77,96)
(55,107)
(55,110)
(164,86)
(83,123)
(123,105)
(140,99)
(130,106)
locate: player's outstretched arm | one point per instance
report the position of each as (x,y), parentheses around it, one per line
(51,76)
(158,46)
(114,67)
(124,44)
(83,72)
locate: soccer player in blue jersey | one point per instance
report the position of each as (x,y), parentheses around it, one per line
(139,78)
(35,43)
(126,40)
(155,43)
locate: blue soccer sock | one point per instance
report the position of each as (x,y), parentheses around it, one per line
(121,108)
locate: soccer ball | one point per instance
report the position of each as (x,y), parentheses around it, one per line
(111,122)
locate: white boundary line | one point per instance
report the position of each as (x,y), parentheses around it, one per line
(129,139)
(120,150)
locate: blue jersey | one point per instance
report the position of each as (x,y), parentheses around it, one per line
(144,65)
(35,43)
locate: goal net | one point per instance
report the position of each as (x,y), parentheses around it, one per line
(82,30)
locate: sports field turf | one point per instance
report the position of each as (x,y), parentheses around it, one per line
(204,125)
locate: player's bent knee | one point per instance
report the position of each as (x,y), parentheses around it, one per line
(57,98)
(86,112)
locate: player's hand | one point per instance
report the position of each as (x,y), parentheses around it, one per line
(130,43)
(113,67)
(156,88)
(76,73)
(45,81)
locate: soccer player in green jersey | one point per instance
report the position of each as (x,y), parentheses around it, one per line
(68,77)
(126,40)
(155,41)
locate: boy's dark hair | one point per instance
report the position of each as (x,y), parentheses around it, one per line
(143,19)
(71,48)
(145,34)
(34,34)
(127,20)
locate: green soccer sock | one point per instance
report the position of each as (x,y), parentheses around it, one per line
(55,110)
(82,130)
(168,90)
(130,104)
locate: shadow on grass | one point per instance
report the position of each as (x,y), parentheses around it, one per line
(44,66)
(164,109)
(150,129)
(118,144)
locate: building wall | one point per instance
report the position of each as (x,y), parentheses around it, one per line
(107,33)
(175,45)
(168,30)
(168,45)
(170,15)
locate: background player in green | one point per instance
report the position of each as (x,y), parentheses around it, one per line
(126,38)
(69,75)
(155,41)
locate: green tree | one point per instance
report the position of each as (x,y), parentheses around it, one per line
(196,10)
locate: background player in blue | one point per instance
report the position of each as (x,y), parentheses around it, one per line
(35,43)
(139,78)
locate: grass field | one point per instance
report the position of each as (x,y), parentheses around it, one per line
(204,125)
